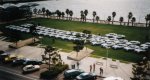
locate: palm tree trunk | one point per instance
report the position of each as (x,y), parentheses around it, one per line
(128,22)
(113,21)
(146,23)
(93,19)
(132,24)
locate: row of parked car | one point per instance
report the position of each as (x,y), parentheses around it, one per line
(29,65)
(110,40)
(78,74)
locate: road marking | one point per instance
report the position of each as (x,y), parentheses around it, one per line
(12,72)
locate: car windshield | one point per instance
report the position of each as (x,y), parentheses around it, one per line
(30,67)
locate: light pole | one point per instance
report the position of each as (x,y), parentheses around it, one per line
(107,48)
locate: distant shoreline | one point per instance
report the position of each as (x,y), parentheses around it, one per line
(18,1)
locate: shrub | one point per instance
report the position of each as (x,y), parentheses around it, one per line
(53,72)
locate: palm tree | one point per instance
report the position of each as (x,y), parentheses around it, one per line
(43,10)
(58,14)
(113,15)
(109,19)
(129,17)
(94,14)
(82,15)
(39,11)
(35,11)
(67,12)
(85,14)
(63,14)
(97,18)
(50,13)
(121,19)
(47,13)
(71,14)
(133,20)
(147,18)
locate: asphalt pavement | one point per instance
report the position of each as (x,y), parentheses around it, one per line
(9,74)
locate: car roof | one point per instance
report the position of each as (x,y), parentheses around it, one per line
(72,70)
(84,74)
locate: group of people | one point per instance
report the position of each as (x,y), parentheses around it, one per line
(93,67)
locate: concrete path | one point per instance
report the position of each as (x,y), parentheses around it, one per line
(124,70)
(80,55)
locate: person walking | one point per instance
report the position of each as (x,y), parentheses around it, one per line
(101,71)
(78,65)
(94,67)
(90,68)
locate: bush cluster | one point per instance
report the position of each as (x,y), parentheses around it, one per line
(53,72)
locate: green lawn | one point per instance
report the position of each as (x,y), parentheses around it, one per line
(132,33)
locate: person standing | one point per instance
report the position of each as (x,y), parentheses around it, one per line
(90,68)
(78,65)
(101,71)
(94,67)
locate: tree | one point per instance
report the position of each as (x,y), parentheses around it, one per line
(113,15)
(33,30)
(39,11)
(85,14)
(140,69)
(79,46)
(35,11)
(67,12)
(121,19)
(94,14)
(63,14)
(109,19)
(87,34)
(82,15)
(14,12)
(133,20)
(48,51)
(58,13)
(129,17)
(97,18)
(43,10)
(47,12)
(147,19)
(71,14)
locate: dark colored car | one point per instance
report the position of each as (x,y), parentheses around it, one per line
(18,62)
(71,74)
(33,62)
(1,52)
(86,76)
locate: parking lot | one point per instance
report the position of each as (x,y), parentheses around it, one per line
(110,40)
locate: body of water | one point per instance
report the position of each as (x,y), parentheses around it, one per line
(104,8)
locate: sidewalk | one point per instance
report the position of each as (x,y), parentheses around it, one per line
(124,70)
